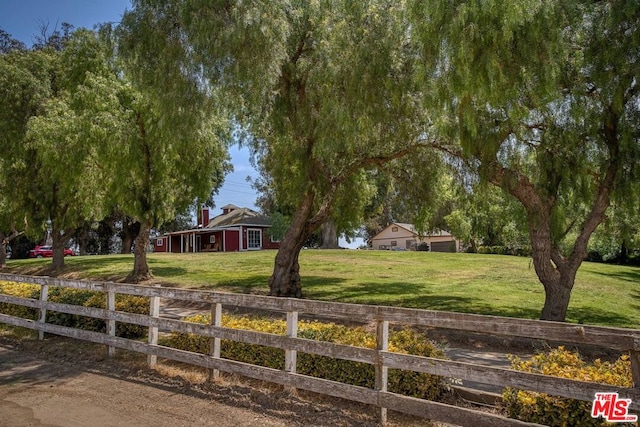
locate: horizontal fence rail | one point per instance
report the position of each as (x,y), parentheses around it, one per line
(624,340)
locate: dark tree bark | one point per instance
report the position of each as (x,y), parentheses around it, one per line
(130,231)
(82,239)
(5,239)
(59,239)
(329,232)
(285,280)
(623,258)
(556,271)
(141,270)
(3,252)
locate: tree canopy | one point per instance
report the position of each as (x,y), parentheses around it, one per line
(174,147)
(540,99)
(85,137)
(543,100)
(318,105)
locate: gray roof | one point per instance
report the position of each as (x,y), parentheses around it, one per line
(239,216)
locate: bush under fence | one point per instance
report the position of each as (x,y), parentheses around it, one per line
(293,344)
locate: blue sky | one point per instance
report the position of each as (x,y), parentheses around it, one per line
(23,20)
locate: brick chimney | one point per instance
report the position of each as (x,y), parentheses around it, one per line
(203,217)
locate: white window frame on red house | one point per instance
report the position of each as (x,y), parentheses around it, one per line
(159,242)
(250,240)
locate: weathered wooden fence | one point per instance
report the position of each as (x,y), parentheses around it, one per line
(624,340)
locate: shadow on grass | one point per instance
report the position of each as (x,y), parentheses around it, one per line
(594,316)
(629,274)
(77,267)
(166,272)
(406,295)
(256,284)
(99,260)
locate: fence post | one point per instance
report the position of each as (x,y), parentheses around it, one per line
(291,356)
(44,296)
(382,344)
(154,313)
(215,342)
(111,323)
(634,355)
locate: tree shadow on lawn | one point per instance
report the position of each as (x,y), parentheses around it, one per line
(75,268)
(406,295)
(168,271)
(630,274)
(255,285)
(594,316)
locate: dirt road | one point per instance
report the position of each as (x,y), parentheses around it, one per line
(46,386)
(34,392)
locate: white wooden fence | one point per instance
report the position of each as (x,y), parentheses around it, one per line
(624,340)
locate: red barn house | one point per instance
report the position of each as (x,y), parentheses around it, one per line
(235,230)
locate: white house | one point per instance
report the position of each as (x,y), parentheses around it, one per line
(400,236)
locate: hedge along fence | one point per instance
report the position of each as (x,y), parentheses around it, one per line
(625,340)
(405,341)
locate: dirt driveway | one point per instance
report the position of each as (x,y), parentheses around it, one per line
(69,383)
(35,392)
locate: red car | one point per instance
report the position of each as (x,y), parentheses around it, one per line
(46,251)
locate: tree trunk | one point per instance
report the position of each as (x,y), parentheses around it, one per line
(556,299)
(82,239)
(285,280)
(130,231)
(329,232)
(3,249)
(141,269)
(127,243)
(58,241)
(4,241)
(624,253)
(556,272)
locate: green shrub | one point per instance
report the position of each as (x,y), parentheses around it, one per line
(355,373)
(558,411)
(22,290)
(72,297)
(126,303)
(424,247)
(505,250)
(80,297)
(412,383)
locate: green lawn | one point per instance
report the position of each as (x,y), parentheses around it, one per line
(484,284)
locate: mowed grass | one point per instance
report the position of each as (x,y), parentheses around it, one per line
(471,283)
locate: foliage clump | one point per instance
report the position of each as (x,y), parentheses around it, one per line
(21,290)
(550,410)
(505,250)
(405,341)
(80,297)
